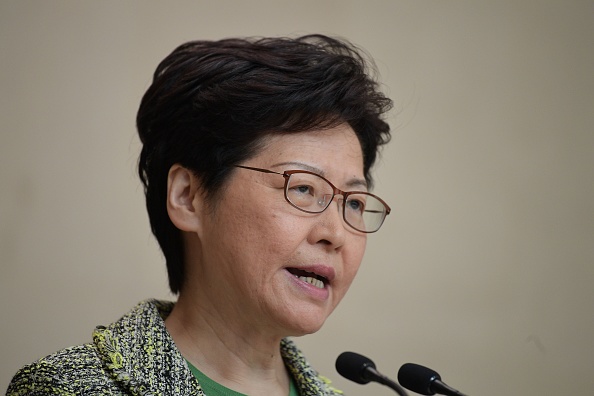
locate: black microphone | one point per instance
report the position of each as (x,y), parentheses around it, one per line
(423,380)
(361,370)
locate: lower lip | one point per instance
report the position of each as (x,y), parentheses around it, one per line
(309,289)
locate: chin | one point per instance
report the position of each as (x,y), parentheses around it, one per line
(306,325)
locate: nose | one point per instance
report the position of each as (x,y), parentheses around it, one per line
(329,227)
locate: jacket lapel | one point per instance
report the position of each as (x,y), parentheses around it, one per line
(139,354)
(309,382)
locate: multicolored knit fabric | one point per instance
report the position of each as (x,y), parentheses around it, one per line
(136,356)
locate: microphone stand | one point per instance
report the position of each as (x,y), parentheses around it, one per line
(376,376)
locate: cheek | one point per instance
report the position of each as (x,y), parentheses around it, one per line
(265,236)
(281,235)
(353,256)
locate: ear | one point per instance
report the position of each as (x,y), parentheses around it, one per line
(184,198)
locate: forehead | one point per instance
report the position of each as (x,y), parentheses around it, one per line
(324,151)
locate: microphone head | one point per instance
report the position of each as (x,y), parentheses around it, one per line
(353,366)
(417,378)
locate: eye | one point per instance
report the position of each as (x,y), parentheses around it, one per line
(302,195)
(356,205)
(303,189)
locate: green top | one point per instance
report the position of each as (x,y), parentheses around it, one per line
(212,388)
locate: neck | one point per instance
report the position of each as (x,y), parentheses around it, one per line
(238,357)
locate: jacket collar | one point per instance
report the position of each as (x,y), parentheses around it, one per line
(138,353)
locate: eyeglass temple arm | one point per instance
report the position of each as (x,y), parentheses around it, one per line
(258,169)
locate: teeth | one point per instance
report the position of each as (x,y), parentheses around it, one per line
(312,281)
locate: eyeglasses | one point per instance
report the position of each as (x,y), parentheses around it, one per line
(311,193)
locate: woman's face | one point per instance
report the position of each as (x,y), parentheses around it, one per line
(257,251)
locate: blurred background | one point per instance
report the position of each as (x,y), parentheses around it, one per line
(484,270)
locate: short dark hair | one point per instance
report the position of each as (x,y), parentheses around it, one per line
(212,102)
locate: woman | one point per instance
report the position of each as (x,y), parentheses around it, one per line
(256,164)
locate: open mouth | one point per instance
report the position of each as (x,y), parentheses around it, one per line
(309,277)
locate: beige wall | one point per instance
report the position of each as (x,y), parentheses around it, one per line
(485,269)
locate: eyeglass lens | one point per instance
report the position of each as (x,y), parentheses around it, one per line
(313,194)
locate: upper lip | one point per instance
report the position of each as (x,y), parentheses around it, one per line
(324,271)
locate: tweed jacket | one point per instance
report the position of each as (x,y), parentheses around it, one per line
(136,356)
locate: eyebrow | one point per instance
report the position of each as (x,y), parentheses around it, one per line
(351,183)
